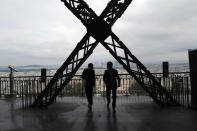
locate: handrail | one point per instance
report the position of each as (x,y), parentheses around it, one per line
(158,73)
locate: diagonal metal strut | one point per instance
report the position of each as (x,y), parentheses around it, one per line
(65,73)
(99,27)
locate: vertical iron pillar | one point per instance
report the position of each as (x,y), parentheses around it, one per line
(11,82)
(165,69)
(193,75)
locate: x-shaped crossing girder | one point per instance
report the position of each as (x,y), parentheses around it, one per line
(99,27)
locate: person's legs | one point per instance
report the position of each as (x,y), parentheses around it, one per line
(114,89)
(89,95)
(108,92)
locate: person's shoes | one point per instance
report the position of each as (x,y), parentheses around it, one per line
(90,107)
(114,107)
(108,104)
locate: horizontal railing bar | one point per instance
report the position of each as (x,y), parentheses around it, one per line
(101,74)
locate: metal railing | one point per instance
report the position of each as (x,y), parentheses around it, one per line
(29,87)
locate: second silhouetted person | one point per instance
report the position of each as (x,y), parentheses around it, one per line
(112,81)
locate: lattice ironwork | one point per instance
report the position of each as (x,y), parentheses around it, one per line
(99,28)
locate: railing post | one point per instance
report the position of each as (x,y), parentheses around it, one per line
(0,87)
(165,69)
(11,83)
(193,75)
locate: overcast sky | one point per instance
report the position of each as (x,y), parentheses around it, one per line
(45,32)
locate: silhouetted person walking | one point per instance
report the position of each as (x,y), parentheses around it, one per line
(112,81)
(89,77)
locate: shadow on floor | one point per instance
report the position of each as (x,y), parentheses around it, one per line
(72,116)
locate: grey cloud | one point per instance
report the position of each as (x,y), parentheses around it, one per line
(160,29)
(46,32)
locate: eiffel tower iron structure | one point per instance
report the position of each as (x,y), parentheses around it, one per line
(99,28)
